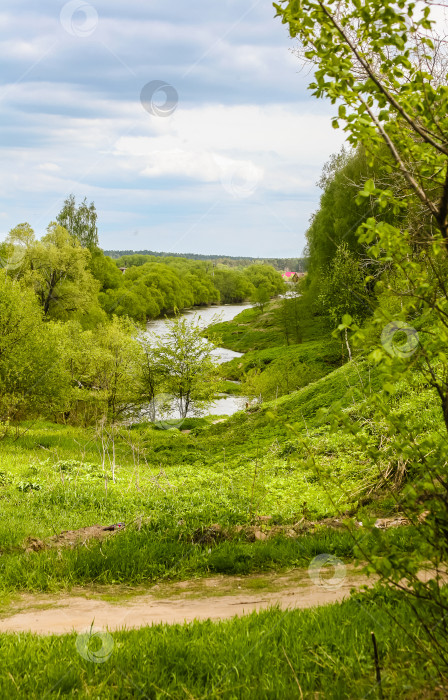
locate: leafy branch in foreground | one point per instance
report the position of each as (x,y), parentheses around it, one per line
(384,65)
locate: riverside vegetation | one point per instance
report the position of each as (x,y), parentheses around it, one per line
(347,419)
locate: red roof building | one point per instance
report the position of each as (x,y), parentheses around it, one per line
(292,276)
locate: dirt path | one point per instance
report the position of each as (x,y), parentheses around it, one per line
(214,598)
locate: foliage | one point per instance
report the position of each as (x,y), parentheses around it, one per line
(139,257)
(390,88)
(32,369)
(260,296)
(105,270)
(233,285)
(386,67)
(184,361)
(74,279)
(343,290)
(289,316)
(267,277)
(56,267)
(279,378)
(80,221)
(337,220)
(105,368)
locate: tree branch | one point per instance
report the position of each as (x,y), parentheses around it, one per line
(390,98)
(420,192)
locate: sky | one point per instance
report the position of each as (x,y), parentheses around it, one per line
(189,125)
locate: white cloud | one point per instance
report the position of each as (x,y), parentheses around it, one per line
(212,143)
(49,167)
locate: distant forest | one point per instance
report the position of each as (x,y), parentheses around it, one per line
(293,264)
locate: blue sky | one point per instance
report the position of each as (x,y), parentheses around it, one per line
(228,166)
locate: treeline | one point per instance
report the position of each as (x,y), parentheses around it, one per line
(294,264)
(75,281)
(154,286)
(60,370)
(151,287)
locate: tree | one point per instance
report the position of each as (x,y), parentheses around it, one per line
(80,221)
(151,379)
(13,250)
(105,367)
(343,291)
(104,270)
(385,66)
(185,362)
(266,276)
(289,315)
(57,268)
(33,379)
(233,285)
(260,297)
(281,376)
(337,220)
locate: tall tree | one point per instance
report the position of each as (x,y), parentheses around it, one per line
(105,369)
(57,267)
(260,296)
(80,221)
(288,315)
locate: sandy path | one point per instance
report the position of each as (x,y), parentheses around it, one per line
(217,598)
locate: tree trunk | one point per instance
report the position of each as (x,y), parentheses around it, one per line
(348,346)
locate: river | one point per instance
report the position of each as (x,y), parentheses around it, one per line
(224,404)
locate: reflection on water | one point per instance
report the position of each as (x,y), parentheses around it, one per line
(225,404)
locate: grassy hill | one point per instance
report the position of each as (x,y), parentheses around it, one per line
(192,500)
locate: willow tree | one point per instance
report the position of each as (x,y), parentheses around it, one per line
(57,268)
(383,64)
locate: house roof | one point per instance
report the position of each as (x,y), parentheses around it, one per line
(288,274)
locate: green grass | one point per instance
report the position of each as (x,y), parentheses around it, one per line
(321,355)
(281,460)
(153,555)
(327,651)
(254,330)
(226,473)
(250,330)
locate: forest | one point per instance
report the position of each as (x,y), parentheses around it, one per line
(296,264)
(297,547)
